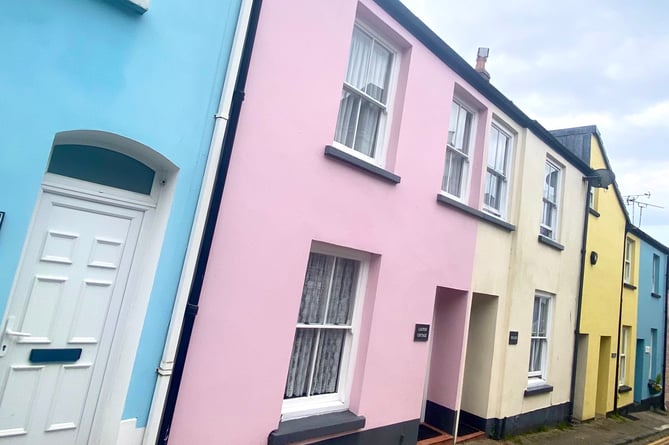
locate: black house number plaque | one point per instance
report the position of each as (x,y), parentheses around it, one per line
(513,337)
(421,332)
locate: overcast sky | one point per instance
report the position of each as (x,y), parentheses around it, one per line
(572,63)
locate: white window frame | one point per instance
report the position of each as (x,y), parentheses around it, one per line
(653,345)
(622,357)
(540,377)
(339,401)
(503,176)
(629,259)
(655,283)
(552,229)
(591,198)
(383,132)
(468,156)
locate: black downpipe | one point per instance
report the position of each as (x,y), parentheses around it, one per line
(620,321)
(664,358)
(210,226)
(581,279)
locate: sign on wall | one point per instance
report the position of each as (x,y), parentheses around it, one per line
(421,332)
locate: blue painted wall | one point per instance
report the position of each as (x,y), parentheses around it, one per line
(98,65)
(651,315)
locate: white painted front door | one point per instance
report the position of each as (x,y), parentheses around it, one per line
(67,297)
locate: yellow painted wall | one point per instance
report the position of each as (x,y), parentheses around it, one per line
(596,382)
(511,267)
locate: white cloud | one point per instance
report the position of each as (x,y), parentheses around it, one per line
(655,115)
(574,63)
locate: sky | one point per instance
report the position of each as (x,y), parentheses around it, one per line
(573,63)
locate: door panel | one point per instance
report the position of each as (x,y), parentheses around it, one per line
(68,295)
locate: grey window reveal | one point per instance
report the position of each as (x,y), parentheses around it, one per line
(101,166)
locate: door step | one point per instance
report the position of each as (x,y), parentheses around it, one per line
(429,435)
(471,436)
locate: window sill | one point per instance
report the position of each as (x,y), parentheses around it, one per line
(629,286)
(306,428)
(450,202)
(549,242)
(140,6)
(594,212)
(538,389)
(341,155)
(624,388)
(655,295)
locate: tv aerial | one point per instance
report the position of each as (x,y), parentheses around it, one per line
(635,202)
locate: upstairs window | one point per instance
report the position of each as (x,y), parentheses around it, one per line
(363,110)
(629,259)
(549,215)
(458,151)
(655,279)
(496,181)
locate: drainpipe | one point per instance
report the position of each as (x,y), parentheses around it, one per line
(620,321)
(581,279)
(249,13)
(664,352)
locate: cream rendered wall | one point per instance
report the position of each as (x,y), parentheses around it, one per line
(601,301)
(513,266)
(492,259)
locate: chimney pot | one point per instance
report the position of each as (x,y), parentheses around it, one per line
(481,58)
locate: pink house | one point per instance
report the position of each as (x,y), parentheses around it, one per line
(335,306)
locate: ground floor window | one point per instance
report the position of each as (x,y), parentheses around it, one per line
(539,339)
(624,346)
(319,370)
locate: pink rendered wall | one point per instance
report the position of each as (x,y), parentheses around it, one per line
(282,193)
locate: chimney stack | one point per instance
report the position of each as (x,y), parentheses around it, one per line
(481,59)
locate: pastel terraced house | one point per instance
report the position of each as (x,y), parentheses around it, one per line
(649,373)
(332,256)
(606,328)
(337,305)
(105,132)
(520,359)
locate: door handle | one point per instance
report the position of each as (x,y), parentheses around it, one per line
(11,332)
(14,333)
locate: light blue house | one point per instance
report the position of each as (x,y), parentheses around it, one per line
(650,342)
(112,115)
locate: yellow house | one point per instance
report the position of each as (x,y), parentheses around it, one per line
(606,330)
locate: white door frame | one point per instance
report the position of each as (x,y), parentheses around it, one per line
(156,208)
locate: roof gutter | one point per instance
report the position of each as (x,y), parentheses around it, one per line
(191,307)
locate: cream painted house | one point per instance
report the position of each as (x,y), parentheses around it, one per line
(520,351)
